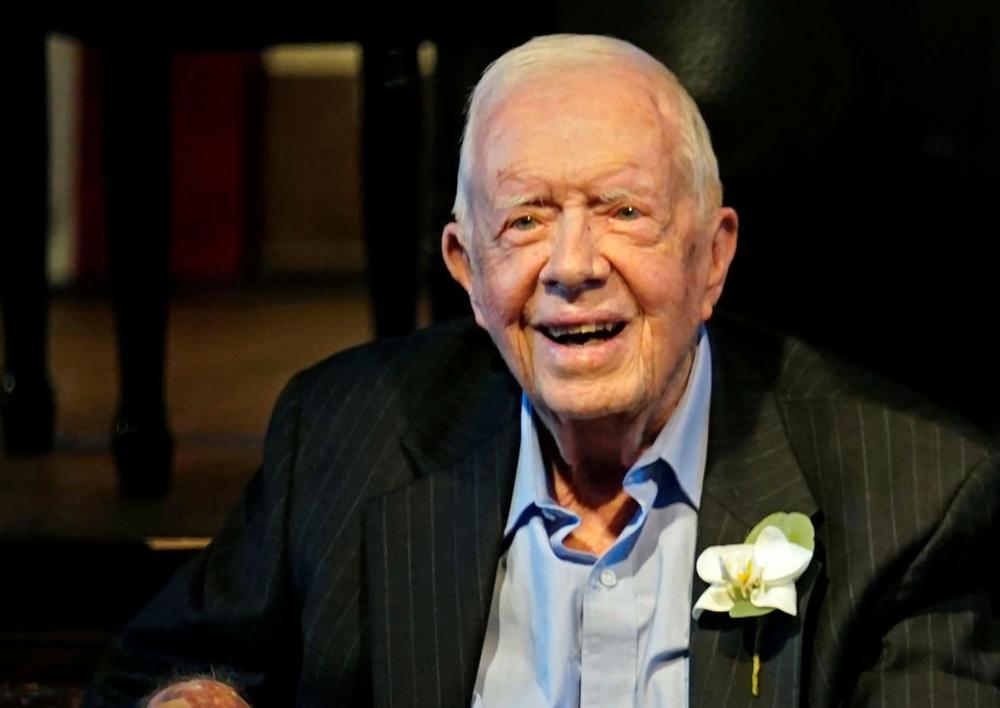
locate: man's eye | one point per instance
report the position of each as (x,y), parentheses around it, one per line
(627,213)
(524,223)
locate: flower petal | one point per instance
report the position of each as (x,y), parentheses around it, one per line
(710,562)
(780,560)
(715,599)
(780,597)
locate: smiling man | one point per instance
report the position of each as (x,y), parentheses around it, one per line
(593,260)
(588,256)
(436,526)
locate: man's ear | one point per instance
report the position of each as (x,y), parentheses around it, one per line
(458,260)
(724,229)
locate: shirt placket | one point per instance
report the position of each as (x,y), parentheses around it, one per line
(608,646)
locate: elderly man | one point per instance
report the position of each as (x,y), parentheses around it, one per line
(434,526)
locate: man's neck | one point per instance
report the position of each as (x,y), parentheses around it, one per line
(586,462)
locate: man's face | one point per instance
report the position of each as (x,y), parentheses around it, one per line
(588,264)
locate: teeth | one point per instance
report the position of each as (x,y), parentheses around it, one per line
(581,329)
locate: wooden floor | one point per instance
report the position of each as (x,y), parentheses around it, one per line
(230,353)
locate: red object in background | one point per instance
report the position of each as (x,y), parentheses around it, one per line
(209,133)
(210,95)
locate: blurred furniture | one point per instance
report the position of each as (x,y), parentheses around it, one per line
(136,159)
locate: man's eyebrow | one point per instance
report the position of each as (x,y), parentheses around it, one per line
(619,194)
(515,200)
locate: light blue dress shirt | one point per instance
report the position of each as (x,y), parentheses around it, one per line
(568,628)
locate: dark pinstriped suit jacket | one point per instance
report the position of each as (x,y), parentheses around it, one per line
(359,565)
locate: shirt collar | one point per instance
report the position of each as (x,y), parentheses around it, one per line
(682,443)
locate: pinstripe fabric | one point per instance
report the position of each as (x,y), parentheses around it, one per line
(448,528)
(358,567)
(751,472)
(909,502)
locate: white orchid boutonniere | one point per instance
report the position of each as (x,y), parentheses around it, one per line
(757,576)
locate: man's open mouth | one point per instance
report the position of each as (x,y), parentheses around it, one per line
(581,334)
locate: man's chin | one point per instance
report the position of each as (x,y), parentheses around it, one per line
(566,406)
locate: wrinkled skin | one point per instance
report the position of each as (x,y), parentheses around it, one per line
(579,217)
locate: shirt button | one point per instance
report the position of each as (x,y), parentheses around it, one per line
(608,578)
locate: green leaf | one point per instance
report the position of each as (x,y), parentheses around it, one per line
(796,526)
(744,608)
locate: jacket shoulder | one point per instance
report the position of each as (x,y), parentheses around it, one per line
(802,374)
(351,412)
(409,370)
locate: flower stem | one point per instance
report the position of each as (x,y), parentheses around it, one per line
(755,676)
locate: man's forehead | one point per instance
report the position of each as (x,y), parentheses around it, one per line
(592,158)
(581,92)
(612,105)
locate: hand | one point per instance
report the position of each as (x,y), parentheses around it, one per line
(197,693)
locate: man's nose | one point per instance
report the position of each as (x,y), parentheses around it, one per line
(575,263)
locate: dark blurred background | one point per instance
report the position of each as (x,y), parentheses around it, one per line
(202,205)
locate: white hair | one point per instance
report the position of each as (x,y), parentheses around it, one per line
(550,54)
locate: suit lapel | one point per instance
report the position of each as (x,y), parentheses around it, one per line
(432,547)
(751,472)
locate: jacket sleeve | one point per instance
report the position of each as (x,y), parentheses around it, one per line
(229,613)
(941,642)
